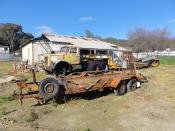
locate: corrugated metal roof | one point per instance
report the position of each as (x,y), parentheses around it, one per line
(82,42)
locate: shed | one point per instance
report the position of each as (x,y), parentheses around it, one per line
(34,50)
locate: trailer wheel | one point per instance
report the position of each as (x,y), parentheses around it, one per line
(132,85)
(49,88)
(121,89)
(60,97)
(155,63)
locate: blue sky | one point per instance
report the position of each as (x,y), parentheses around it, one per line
(103,17)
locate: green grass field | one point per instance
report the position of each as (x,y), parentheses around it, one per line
(167,60)
(5,67)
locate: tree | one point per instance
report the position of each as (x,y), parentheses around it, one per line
(142,39)
(9,33)
(89,34)
(12,35)
(24,38)
(111,40)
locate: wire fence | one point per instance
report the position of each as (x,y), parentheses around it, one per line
(155,53)
(8,57)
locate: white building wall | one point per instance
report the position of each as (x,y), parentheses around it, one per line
(39,52)
(34,52)
(27,53)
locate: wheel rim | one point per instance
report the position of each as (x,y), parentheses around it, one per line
(122,89)
(134,86)
(49,88)
(155,64)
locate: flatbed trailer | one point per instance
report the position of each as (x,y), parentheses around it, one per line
(57,87)
(147,62)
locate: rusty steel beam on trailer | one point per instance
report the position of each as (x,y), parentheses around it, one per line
(25,96)
(24,84)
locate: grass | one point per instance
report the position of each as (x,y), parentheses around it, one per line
(2,111)
(4,99)
(5,67)
(167,60)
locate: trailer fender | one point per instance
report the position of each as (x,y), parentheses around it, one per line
(115,82)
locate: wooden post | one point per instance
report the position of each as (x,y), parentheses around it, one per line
(34,77)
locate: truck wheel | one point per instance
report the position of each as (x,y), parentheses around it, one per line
(49,88)
(149,63)
(60,70)
(155,64)
(103,65)
(132,85)
(93,66)
(121,89)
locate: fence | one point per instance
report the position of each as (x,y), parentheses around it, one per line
(8,57)
(156,53)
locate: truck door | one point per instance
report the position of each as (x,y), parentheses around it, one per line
(73,56)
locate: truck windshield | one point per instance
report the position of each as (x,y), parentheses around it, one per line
(64,49)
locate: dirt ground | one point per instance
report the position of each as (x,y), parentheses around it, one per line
(149,108)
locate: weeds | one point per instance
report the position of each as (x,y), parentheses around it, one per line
(46,111)
(4,99)
(30,115)
(3,111)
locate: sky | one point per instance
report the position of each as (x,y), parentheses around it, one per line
(105,18)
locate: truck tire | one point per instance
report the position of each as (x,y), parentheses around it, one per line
(156,63)
(103,65)
(132,85)
(60,70)
(49,88)
(121,89)
(149,63)
(93,66)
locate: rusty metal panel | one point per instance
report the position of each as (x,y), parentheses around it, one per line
(82,42)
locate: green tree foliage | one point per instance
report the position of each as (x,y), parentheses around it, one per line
(12,35)
(89,34)
(111,40)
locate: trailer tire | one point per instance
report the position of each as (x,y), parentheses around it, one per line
(121,89)
(132,85)
(60,97)
(49,88)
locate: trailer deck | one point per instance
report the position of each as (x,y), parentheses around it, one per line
(78,82)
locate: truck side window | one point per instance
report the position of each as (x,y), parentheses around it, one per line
(73,50)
